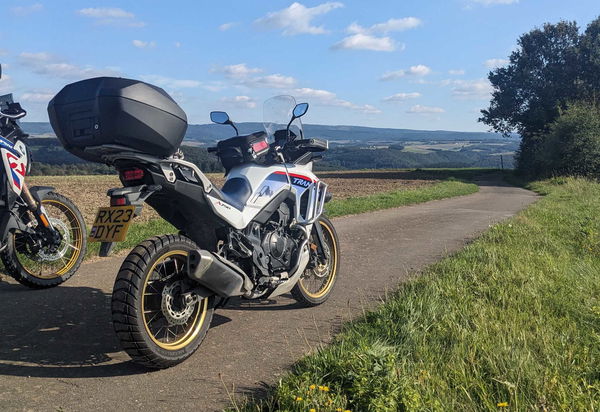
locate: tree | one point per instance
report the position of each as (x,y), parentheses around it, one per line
(572,146)
(589,51)
(542,77)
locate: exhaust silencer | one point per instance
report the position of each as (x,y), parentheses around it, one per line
(216,274)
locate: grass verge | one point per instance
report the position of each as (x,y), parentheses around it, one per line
(337,207)
(512,321)
(442,190)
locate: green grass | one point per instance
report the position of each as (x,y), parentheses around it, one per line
(136,235)
(511,322)
(337,207)
(397,198)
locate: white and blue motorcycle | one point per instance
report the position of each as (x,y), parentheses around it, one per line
(262,235)
(42,233)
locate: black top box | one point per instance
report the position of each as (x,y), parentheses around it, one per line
(116,111)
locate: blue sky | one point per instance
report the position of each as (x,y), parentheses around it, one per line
(403,64)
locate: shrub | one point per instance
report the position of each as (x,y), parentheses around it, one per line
(572,146)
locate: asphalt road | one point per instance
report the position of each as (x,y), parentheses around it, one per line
(58,350)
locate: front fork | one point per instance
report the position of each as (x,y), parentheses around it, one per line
(320,244)
(36,208)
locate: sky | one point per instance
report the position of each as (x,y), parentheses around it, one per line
(382,63)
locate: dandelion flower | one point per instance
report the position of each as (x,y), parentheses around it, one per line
(312,387)
(312,410)
(502,404)
(298,398)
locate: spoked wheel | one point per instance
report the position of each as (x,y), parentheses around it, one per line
(39,262)
(316,284)
(159,322)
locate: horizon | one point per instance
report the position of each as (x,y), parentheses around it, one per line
(400,66)
(343,125)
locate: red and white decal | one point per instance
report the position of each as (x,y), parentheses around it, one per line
(16,167)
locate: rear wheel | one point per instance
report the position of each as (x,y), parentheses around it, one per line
(158,323)
(31,261)
(317,281)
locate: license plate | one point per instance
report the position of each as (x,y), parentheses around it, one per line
(111,224)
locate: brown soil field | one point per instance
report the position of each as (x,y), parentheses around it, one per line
(89,192)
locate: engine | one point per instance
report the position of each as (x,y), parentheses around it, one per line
(276,242)
(267,250)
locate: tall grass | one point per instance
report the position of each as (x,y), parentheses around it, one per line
(512,321)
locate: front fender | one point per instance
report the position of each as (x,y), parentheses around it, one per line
(40,192)
(8,223)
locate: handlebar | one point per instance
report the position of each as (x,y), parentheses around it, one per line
(14,111)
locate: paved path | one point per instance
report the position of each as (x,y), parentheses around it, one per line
(58,350)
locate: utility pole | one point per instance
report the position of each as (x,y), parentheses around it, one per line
(502,162)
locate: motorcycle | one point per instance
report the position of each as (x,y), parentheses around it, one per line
(262,235)
(42,233)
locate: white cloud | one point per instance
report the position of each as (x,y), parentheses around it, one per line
(458,72)
(368,38)
(419,70)
(316,94)
(177,44)
(26,10)
(494,63)
(240,101)
(237,71)
(49,65)
(271,81)
(479,89)
(37,96)
(111,16)
(104,13)
(227,26)
(327,98)
(363,41)
(418,109)
(297,18)
(246,76)
(140,44)
(494,2)
(169,82)
(391,25)
(400,97)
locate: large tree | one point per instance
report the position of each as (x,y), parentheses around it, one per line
(589,51)
(542,77)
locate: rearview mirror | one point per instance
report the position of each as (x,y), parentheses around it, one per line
(300,110)
(219,117)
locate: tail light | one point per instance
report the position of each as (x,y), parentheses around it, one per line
(130,175)
(118,201)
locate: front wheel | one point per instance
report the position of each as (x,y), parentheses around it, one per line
(316,284)
(159,322)
(32,261)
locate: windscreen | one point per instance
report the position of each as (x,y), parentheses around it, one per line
(277,112)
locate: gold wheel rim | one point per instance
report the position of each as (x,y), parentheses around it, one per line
(76,232)
(333,270)
(196,324)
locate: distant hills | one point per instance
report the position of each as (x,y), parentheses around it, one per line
(343,135)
